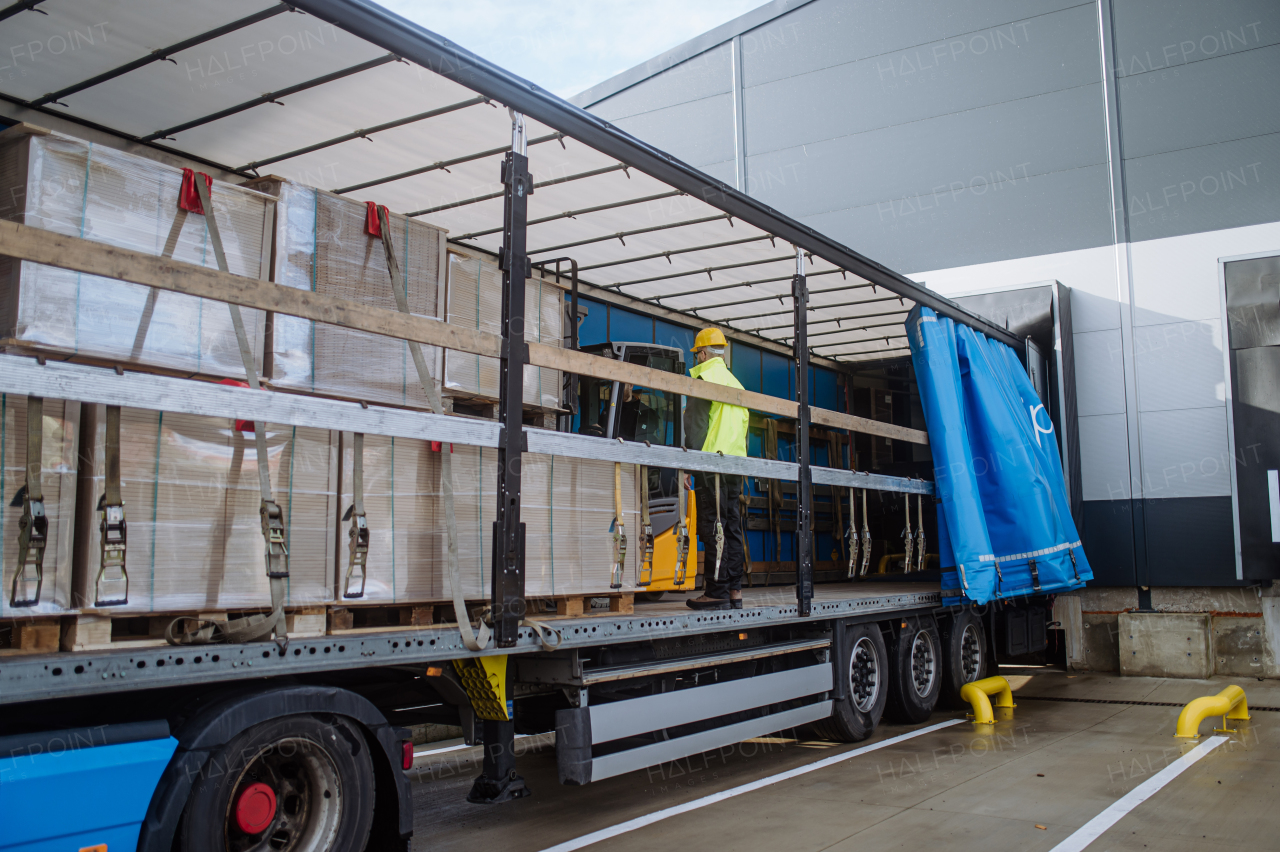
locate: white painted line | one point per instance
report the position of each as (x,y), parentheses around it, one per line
(1094,828)
(657,816)
(463,745)
(1273,500)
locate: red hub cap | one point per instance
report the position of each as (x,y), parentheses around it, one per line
(256,808)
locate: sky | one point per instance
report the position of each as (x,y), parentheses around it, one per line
(567,46)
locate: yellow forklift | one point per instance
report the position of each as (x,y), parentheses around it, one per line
(616,410)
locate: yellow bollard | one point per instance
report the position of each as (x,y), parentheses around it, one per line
(976,695)
(1230,703)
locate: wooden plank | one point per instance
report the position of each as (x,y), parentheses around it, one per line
(93,258)
(37,637)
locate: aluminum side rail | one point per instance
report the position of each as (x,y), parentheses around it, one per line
(40,677)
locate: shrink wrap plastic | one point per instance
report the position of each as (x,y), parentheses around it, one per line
(321,245)
(57,480)
(84,190)
(475,301)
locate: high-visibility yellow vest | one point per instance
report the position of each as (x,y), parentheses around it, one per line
(727,425)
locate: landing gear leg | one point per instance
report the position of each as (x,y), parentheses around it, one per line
(498,781)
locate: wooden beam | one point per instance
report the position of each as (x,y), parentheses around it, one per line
(94,258)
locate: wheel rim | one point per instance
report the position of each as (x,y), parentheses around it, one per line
(305,785)
(864,675)
(970,653)
(923,663)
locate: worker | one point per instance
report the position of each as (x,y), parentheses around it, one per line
(717,427)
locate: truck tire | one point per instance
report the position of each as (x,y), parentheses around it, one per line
(966,656)
(295,783)
(915,671)
(854,718)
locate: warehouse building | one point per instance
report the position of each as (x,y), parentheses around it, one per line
(1128,149)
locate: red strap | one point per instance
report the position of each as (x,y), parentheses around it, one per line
(188,196)
(372,225)
(241,425)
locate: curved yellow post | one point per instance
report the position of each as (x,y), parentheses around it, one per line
(1230,703)
(976,695)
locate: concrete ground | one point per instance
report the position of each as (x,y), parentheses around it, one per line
(1028,784)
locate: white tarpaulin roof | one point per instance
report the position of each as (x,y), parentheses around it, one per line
(261,88)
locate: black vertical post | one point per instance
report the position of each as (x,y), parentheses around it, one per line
(804,497)
(508,531)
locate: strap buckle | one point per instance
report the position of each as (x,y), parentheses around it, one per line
(113,532)
(646,555)
(682,552)
(33,534)
(273,533)
(619,554)
(1035,575)
(358,544)
(719,546)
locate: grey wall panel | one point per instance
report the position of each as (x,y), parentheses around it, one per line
(1104,457)
(1184,453)
(1226,185)
(700,77)
(979,151)
(1230,97)
(1179,365)
(1190,542)
(1099,373)
(1042,215)
(726,171)
(1107,535)
(1094,312)
(831,32)
(1054,52)
(1153,35)
(697,132)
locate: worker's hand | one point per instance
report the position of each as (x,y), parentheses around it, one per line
(688,482)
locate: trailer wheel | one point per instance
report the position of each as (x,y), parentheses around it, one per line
(293,784)
(966,658)
(855,718)
(916,679)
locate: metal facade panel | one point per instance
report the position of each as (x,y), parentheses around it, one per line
(975,152)
(1104,457)
(1154,35)
(1218,100)
(1174,280)
(1041,215)
(1108,541)
(1190,542)
(1099,373)
(699,77)
(1209,188)
(1179,365)
(697,132)
(832,32)
(1184,453)
(1048,54)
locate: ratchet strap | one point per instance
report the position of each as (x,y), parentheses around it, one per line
(256,627)
(111,524)
(619,531)
(478,639)
(853,533)
(33,525)
(719,531)
(834,457)
(775,489)
(908,536)
(682,530)
(866,537)
(646,531)
(919,534)
(358,533)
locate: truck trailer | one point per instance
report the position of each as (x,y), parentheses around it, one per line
(252,728)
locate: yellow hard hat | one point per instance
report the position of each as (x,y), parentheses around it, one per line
(709,337)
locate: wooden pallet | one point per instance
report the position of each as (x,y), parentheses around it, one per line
(570,606)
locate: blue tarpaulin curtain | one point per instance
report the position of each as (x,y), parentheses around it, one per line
(1004,523)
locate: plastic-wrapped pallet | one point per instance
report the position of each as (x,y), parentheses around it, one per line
(322,245)
(566,503)
(58,481)
(191,495)
(475,301)
(85,190)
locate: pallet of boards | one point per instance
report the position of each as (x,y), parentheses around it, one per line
(191,497)
(567,505)
(475,301)
(59,439)
(73,187)
(322,245)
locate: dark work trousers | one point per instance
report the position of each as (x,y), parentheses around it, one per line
(733,562)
